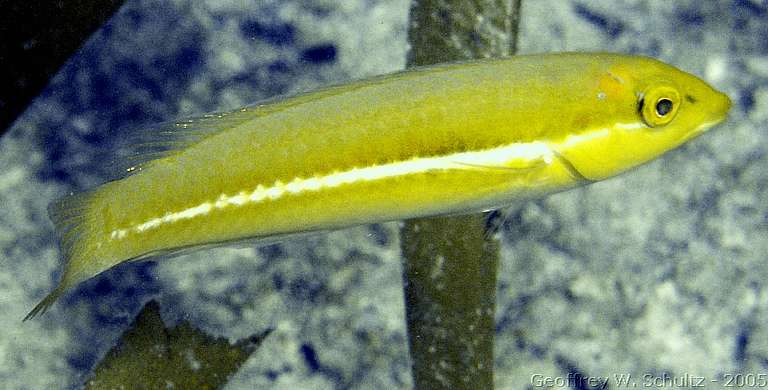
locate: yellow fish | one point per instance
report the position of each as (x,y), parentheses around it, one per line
(446,139)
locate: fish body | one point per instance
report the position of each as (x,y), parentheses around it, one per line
(446,139)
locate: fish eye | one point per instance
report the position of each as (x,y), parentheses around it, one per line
(663,107)
(658,105)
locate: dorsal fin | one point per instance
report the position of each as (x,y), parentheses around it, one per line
(165,139)
(161,140)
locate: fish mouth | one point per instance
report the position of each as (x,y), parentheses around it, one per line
(722,104)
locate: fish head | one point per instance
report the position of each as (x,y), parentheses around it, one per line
(640,108)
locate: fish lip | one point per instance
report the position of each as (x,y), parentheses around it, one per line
(725,103)
(717,116)
(721,108)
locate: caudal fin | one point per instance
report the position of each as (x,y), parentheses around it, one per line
(69,217)
(70,220)
(46,303)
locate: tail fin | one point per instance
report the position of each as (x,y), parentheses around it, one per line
(46,303)
(70,221)
(69,217)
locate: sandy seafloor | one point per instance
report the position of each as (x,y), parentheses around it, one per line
(660,271)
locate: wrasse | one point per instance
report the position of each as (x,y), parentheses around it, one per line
(446,139)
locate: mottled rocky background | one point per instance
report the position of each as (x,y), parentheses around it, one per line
(660,271)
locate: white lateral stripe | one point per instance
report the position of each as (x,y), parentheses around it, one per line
(510,155)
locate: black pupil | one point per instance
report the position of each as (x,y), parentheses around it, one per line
(663,107)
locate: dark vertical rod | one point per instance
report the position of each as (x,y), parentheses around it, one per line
(450,262)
